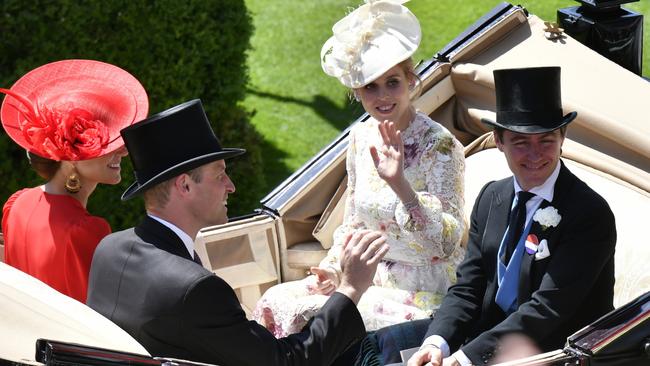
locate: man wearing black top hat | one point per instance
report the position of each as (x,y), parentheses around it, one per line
(540,255)
(148,280)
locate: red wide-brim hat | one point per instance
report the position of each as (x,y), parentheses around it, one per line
(73,109)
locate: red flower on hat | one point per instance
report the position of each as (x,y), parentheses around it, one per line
(64,133)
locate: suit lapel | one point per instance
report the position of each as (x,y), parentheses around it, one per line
(495,227)
(563,184)
(162,237)
(498,217)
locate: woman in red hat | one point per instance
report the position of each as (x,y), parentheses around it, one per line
(67,115)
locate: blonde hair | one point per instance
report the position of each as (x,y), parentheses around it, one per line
(409,70)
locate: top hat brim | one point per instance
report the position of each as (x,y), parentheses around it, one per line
(532,128)
(137,188)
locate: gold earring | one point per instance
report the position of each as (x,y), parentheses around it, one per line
(73,183)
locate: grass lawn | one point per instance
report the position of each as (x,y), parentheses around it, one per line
(298,109)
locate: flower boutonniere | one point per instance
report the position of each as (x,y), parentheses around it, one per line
(547,217)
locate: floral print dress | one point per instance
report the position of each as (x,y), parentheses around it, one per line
(420,265)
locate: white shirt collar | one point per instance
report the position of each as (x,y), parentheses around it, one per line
(547,188)
(189,243)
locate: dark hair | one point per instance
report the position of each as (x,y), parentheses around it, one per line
(499,131)
(45,168)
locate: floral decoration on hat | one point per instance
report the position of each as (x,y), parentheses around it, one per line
(369,41)
(66,133)
(72,109)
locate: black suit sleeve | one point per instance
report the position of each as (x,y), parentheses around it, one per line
(462,304)
(217,331)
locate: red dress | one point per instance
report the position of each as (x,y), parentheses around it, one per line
(53,238)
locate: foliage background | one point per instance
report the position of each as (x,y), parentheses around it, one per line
(179,50)
(254,63)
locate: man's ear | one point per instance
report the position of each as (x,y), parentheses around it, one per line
(497,140)
(181,184)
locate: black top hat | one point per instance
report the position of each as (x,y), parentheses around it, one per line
(170,143)
(529,100)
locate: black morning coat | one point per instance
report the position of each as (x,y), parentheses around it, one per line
(557,295)
(145,281)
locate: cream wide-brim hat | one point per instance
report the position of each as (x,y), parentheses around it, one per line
(369,41)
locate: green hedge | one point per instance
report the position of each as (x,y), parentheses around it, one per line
(179,50)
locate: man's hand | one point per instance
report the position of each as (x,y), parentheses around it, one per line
(429,354)
(361,253)
(323,281)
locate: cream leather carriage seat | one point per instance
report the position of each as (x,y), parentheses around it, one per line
(30,309)
(628,203)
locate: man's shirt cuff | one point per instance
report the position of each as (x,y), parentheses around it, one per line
(462,359)
(439,342)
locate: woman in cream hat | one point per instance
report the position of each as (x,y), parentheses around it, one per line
(67,115)
(405,177)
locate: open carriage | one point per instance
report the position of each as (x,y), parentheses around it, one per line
(607,146)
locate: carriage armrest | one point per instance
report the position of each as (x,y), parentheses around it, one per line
(305,255)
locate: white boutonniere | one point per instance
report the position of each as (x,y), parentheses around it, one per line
(547,217)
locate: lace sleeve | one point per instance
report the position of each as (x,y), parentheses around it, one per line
(438,218)
(349,216)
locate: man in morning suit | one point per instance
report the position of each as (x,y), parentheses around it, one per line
(147,280)
(540,256)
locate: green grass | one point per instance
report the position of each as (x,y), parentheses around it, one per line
(298,109)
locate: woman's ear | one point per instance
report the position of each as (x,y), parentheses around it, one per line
(67,165)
